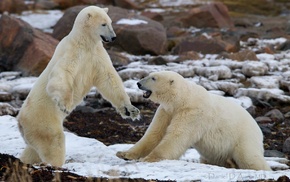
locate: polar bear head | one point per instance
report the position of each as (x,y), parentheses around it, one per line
(95,23)
(161,86)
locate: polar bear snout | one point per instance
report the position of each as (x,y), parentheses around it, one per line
(108,39)
(147,92)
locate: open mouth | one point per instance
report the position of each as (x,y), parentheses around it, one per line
(147,94)
(104,39)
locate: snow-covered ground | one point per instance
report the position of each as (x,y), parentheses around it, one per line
(90,157)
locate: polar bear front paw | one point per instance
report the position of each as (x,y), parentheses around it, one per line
(127,155)
(62,106)
(130,111)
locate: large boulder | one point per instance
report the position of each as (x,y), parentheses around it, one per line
(24,48)
(214,43)
(12,6)
(210,15)
(136,34)
(70,3)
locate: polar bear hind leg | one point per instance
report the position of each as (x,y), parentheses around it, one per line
(52,151)
(250,159)
(30,156)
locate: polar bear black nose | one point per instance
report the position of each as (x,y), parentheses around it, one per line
(113,38)
(139,84)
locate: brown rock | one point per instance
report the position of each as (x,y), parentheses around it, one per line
(211,15)
(148,37)
(70,3)
(207,45)
(152,15)
(127,4)
(23,47)
(65,23)
(12,6)
(240,56)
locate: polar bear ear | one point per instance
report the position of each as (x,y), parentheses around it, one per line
(106,9)
(171,82)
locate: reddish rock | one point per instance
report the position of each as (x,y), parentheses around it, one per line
(65,23)
(23,47)
(12,6)
(127,4)
(207,45)
(152,15)
(70,3)
(240,56)
(148,37)
(211,15)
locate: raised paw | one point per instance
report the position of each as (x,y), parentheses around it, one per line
(127,155)
(130,111)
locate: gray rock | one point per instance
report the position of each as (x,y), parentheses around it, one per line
(274,153)
(286,145)
(275,115)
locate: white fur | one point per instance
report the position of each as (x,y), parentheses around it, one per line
(188,116)
(79,62)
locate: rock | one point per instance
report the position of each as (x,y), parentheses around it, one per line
(265,129)
(263,94)
(265,81)
(152,15)
(23,48)
(191,55)
(287,115)
(244,55)
(70,3)
(284,46)
(65,23)
(286,145)
(253,68)
(275,115)
(263,119)
(137,34)
(44,4)
(118,59)
(214,72)
(7,109)
(274,153)
(227,87)
(207,44)
(210,15)
(128,4)
(5,96)
(12,6)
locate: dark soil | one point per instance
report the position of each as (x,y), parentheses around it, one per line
(108,127)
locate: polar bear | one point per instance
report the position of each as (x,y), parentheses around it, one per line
(80,62)
(221,131)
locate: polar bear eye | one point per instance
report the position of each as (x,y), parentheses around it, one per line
(104,24)
(153,78)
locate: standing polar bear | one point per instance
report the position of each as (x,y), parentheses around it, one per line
(220,130)
(79,63)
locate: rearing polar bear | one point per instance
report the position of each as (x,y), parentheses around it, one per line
(80,62)
(221,131)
